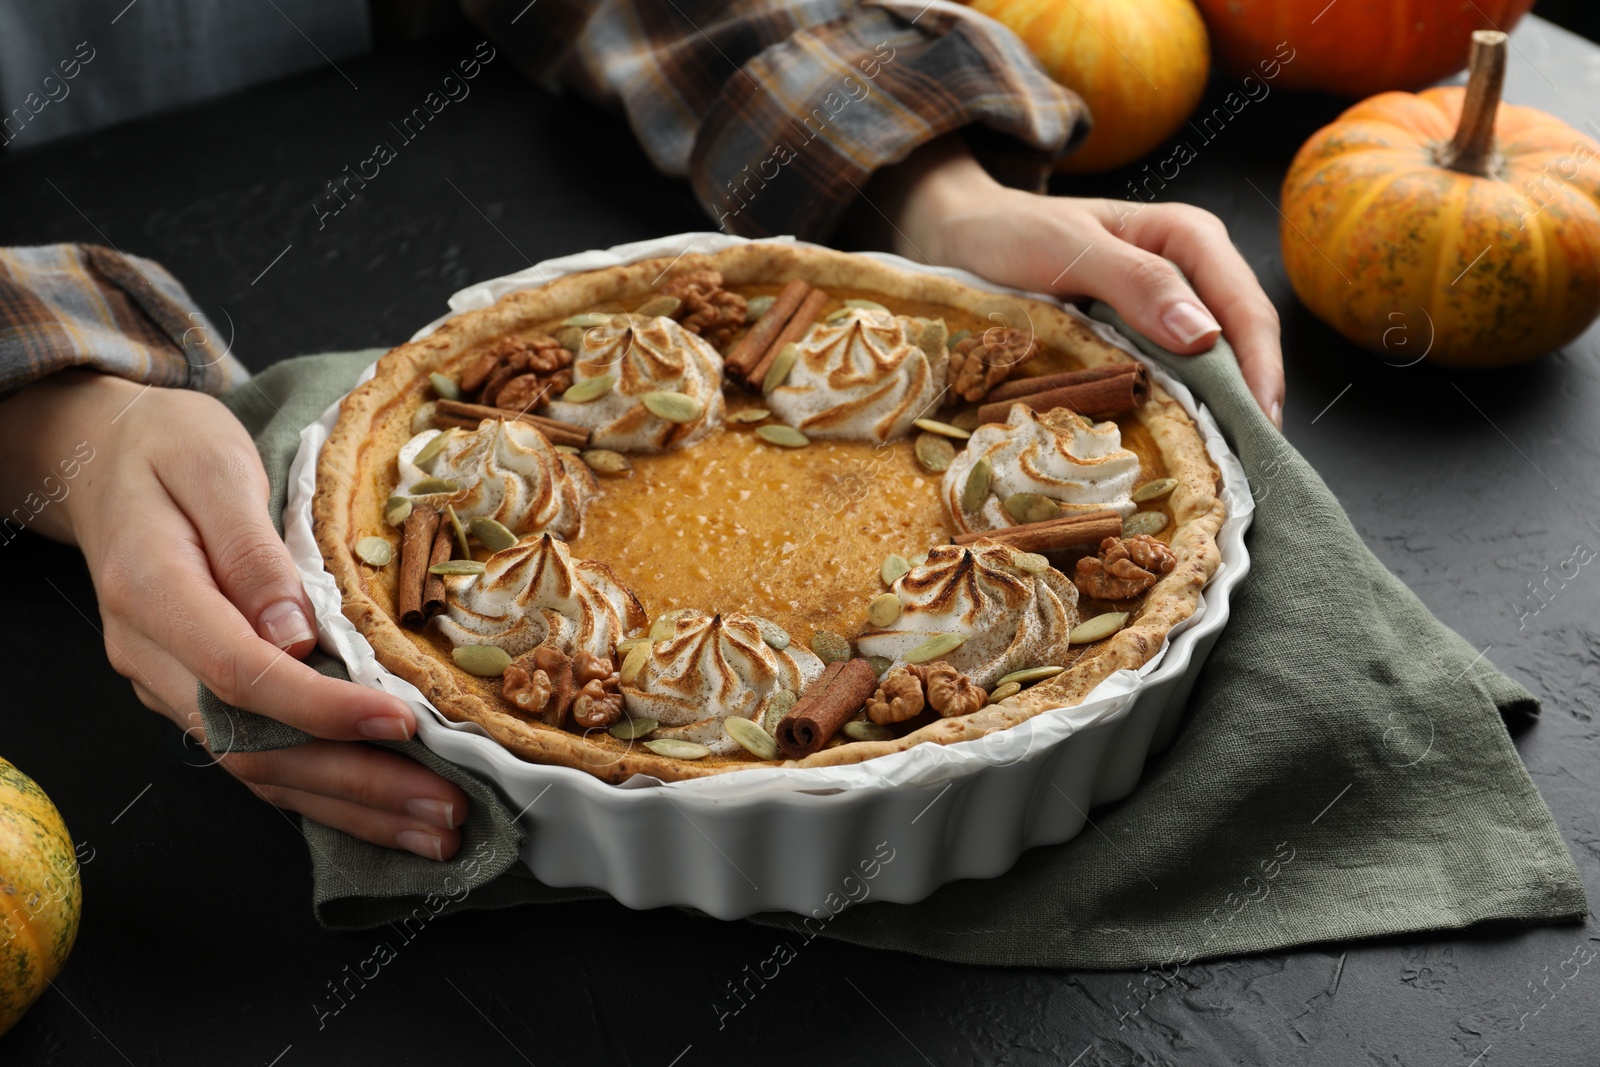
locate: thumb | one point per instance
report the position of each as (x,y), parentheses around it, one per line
(1149,293)
(251,564)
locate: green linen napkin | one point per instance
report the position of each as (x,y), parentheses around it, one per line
(1331,781)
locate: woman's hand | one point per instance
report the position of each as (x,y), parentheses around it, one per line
(194,583)
(943,207)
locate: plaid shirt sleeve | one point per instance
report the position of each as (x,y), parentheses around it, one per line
(779,111)
(72,305)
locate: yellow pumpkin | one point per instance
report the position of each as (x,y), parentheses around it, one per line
(1448,223)
(40,895)
(1141,67)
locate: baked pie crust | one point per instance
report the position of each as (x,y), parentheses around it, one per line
(357,473)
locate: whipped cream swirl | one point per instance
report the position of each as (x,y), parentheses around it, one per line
(645,355)
(863,377)
(713,667)
(507,471)
(1011,617)
(535,593)
(1081,466)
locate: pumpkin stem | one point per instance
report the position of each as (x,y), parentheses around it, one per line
(1472,149)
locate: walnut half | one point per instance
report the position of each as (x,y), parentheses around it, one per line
(982,361)
(707,309)
(546,683)
(1125,567)
(905,691)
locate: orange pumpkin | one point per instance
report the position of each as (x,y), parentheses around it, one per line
(1482,248)
(1353,47)
(40,895)
(1140,67)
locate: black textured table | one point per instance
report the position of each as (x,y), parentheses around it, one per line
(198,945)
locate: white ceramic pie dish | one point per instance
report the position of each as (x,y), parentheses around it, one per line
(801,840)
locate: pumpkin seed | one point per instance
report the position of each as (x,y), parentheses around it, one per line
(758,306)
(917,561)
(869,305)
(422,418)
(588,319)
(934,647)
(486,661)
(633,729)
(1031,507)
(830,647)
(935,453)
(629,644)
(606,461)
(446,387)
(431,486)
(1098,628)
(675,749)
(836,314)
(459,530)
(666,624)
(662,306)
(570,338)
(957,337)
(1144,522)
(943,429)
(397,510)
(879,664)
(779,707)
(569,450)
(673,407)
(755,740)
(457,566)
(884,611)
(375,551)
(976,491)
(491,534)
(966,420)
(1029,675)
(589,389)
(633,663)
(430,451)
(893,569)
(774,635)
(862,730)
(779,434)
(749,415)
(1004,692)
(1031,562)
(1151,490)
(778,373)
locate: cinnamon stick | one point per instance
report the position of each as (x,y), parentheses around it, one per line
(1052,535)
(467,416)
(827,704)
(743,357)
(416,548)
(792,331)
(444,546)
(1016,387)
(1098,398)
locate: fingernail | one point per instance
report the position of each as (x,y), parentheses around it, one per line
(1277,414)
(383,728)
(284,624)
(437,812)
(424,844)
(1188,322)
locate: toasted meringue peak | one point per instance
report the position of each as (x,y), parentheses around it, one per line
(509,472)
(862,377)
(713,667)
(1011,617)
(646,355)
(1058,454)
(535,593)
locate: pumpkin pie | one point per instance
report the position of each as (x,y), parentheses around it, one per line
(776,506)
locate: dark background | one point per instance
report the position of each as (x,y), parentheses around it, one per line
(198,945)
